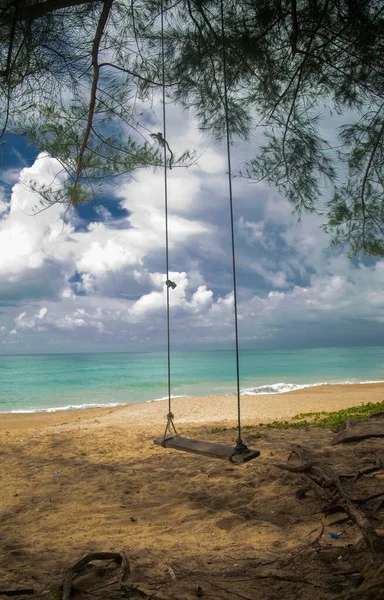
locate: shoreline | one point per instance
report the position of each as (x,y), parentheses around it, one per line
(278,389)
(204,410)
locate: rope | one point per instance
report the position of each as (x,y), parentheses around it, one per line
(170,415)
(169,428)
(240,447)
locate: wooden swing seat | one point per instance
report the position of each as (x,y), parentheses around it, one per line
(205,448)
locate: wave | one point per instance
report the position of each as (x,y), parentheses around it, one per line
(275,388)
(59,408)
(166,398)
(79,406)
(283,388)
(262,390)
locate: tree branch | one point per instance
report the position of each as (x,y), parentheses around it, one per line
(295,27)
(96,73)
(197,25)
(365,178)
(7,70)
(36,11)
(158,83)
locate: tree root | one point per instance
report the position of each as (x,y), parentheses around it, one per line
(356,435)
(326,483)
(370,586)
(82,564)
(361,472)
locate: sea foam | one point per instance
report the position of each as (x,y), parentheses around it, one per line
(283,388)
(262,390)
(166,398)
(59,408)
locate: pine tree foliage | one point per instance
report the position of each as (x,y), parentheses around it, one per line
(78,77)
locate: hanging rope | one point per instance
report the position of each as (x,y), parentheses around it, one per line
(170,427)
(240,448)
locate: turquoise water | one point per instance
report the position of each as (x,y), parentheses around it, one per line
(42,382)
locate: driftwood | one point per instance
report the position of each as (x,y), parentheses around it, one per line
(335,506)
(357,434)
(327,484)
(367,471)
(82,564)
(24,592)
(369,498)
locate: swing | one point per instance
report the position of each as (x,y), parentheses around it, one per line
(171,439)
(223,451)
(237,455)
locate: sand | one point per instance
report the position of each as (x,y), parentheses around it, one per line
(79,481)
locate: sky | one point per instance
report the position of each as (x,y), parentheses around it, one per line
(95,282)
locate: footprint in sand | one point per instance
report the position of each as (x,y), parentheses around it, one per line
(230,522)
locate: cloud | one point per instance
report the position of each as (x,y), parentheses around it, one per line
(328,301)
(32,323)
(44,321)
(252,231)
(278,279)
(182,297)
(28,236)
(4,205)
(103,213)
(10,176)
(99,283)
(34,242)
(155,301)
(328,308)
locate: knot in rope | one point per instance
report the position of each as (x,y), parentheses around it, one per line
(158,137)
(169,428)
(240,448)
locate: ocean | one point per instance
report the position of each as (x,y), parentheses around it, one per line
(51,382)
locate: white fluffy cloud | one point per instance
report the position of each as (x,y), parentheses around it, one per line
(329,299)
(29,236)
(32,238)
(34,322)
(182,297)
(98,286)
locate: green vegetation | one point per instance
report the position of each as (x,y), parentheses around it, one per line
(332,420)
(220,429)
(79,79)
(255,436)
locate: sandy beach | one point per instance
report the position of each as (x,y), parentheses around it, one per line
(206,409)
(80,481)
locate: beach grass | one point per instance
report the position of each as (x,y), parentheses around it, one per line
(332,420)
(335,420)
